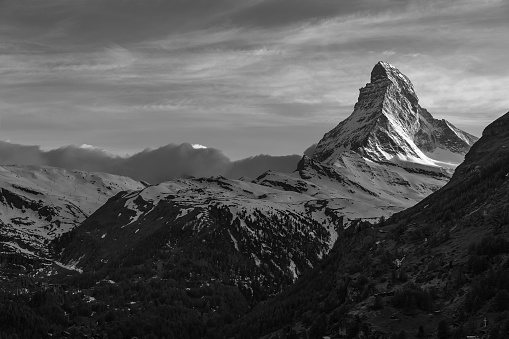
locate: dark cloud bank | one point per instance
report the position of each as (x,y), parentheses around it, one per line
(151,165)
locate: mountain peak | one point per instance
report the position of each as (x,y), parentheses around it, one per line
(388,124)
(383,72)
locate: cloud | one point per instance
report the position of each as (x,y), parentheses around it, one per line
(173,161)
(151,165)
(20,154)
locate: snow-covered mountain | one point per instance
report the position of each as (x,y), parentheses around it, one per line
(389,154)
(361,189)
(39,203)
(263,236)
(388,124)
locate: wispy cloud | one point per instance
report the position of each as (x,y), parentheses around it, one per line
(231,67)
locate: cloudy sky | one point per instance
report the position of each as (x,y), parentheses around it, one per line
(244,76)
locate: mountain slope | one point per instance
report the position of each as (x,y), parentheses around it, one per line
(220,246)
(249,228)
(39,203)
(439,267)
(362,190)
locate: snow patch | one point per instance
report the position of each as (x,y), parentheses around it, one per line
(234,240)
(198,146)
(183,212)
(71,266)
(256,259)
(293,269)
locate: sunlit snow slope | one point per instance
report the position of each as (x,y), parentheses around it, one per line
(39,203)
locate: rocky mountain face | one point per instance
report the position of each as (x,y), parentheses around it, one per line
(38,204)
(388,124)
(438,269)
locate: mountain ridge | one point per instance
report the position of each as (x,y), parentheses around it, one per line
(40,203)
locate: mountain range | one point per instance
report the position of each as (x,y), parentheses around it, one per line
(260,221)
(207,253)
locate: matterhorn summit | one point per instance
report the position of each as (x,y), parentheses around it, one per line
(388,124)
